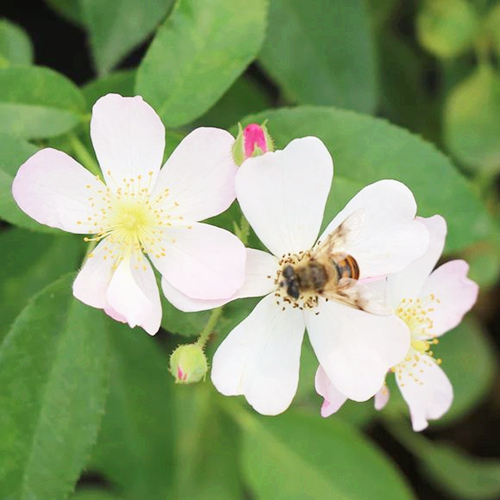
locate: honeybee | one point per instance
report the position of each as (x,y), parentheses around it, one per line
(331,273)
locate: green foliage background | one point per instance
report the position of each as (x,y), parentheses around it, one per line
(398,89)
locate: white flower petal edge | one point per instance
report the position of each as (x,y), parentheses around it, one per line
(409,281)
(202,163)
(356,348)
(425,388)
(260,270)
(51,188)
(202,261)
(389,238)
(92,282)
(260,358)
(456,294)
(382,397)
(134,293)
(128,138)
(283,194)
(333,399)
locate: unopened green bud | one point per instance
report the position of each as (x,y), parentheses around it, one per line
(188,364)
(253,140)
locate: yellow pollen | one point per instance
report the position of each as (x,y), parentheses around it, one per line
(417,314)
(129,218)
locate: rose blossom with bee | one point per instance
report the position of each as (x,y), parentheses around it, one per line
(318,284)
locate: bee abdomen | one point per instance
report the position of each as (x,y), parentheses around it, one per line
(347,268)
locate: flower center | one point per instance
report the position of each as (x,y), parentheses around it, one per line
(416,313)
(130,219)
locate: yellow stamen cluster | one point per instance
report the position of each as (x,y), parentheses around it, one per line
(129,219)
(416,313)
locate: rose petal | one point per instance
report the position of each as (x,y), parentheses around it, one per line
(448,295)
(55,190)
(382,397)
(260,358)
(425,388)
(389,238)
(202,261)
(409,282)
(128,138)
(91,284)
(355,348)
(333,398)
(133,294)
(260,270)
(199,175)
(283,194)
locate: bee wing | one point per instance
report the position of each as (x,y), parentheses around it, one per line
(352,293)
(343,234)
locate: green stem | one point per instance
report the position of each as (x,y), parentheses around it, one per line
(242,230)
(84,157)
(209,327)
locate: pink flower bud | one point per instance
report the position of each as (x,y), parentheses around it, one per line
(253,140)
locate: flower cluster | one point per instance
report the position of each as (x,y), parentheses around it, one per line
(363,289)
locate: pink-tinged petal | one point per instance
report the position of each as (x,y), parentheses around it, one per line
(260,270)
(389,238)
(199,175)
(202,261)
(448,295)
(133,294)
(128,138)
(55,190)
(382,397)
(333,399)
(283,194)
(425,388)
(409,282)
(91,284)
(115,315)
(356,348)
(260,358)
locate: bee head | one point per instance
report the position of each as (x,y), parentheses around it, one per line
(290,282)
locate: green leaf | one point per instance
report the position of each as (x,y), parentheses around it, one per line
(469,361)
(31,262)
(69,9)
(132,22)
(207,446)
(53,385)
(93,494)
(120,82)
(181,323)
(197,54)
(243,98)
(321,53)
(15,45)
(299,456)
(447,28)
(135,446)
(366,149)
(493,26)
(38,102)
(451,469)
(404,100)
(13,153)
(472,120)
